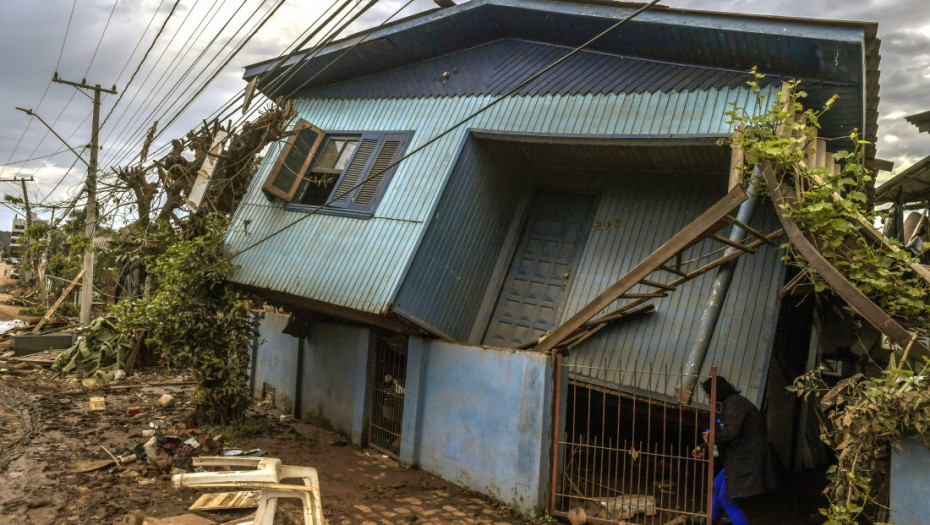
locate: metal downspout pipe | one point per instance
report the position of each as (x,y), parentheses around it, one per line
(718,295)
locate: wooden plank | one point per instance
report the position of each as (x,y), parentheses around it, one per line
(61,298)
(620,313)
(729,257)
(44,358)
(653,295)
(673,246)
(157,383)
(135,346)
(855,298)
(737,158)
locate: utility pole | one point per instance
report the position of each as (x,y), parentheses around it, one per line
(90,212)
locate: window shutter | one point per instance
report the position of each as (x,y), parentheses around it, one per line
(380,170)
(346,190)
(294,160)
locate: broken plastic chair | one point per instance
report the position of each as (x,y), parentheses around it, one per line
(266,475)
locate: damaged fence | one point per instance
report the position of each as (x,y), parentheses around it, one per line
(623,456)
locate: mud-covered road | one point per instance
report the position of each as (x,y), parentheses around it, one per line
(47,429)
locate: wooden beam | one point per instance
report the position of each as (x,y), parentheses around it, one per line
(673,246)
(621,313)
(729,257)
(737,159)
(748,229)
(656,284)
(61,298)
(653,295)
(856,299)
(675,271)
(728,242)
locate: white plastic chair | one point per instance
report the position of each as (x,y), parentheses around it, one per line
(266,475)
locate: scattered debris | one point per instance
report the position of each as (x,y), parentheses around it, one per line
(166,400)
(627,506)
(81,466)
(98,403)
(577,516)
(98,354)
(154,457)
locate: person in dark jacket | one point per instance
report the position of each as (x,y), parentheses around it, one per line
(742,442)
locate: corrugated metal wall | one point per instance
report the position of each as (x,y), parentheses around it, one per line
(449,276)
(359,263)
(497,67)
(649,211)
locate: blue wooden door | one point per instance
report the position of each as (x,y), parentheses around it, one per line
(540,273)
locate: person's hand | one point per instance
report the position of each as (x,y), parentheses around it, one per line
(698,452)
(706,436)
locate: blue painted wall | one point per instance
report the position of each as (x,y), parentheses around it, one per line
(480,417)
(276,361)
(335,365)
(335,378)
(909,468)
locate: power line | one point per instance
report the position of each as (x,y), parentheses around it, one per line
(310,33)
(128,60)
(145,56)
(100,41)
(165,99)
(293,68)
(35,158)
(42,98)
(151,92)
(65,39)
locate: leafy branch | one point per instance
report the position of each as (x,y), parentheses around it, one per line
(867,416)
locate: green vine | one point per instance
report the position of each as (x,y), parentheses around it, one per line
(883,275)
(866,416)
(194,319)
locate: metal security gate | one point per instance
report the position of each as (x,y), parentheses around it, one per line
(386,384)
(624,457)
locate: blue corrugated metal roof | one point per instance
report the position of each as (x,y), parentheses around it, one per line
(815,50)
(359,264)
(497,67)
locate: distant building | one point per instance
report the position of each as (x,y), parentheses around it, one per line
(18,230)
(5,241)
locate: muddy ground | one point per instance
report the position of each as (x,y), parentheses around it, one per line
(47,428)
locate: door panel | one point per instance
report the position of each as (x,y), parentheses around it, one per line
(540,273)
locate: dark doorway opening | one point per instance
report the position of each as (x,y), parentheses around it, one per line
(386,386)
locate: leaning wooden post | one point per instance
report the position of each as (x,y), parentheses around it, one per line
(55,306)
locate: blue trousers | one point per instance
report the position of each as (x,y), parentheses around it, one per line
(721,502)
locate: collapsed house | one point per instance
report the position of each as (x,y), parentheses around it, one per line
(431,254)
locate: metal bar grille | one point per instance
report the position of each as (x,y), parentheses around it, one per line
(626,458)
(386,384)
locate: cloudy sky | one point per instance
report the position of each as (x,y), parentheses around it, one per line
(104,41)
